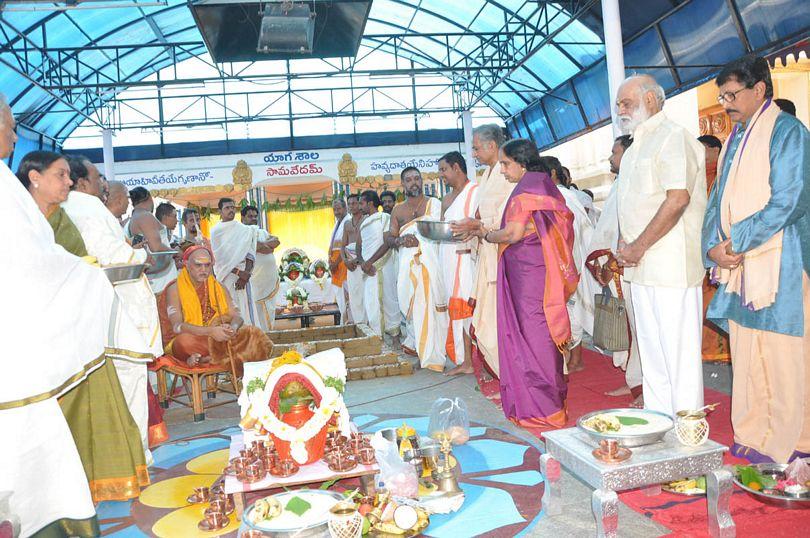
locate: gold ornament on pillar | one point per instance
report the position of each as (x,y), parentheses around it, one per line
(242,175)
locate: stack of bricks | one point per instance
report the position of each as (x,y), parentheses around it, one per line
(361,348)
(370,367)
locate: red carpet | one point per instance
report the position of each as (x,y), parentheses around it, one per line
(684,516)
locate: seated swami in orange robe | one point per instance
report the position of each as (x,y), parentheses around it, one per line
(200,323)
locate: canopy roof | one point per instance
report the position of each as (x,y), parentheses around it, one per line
(539,65)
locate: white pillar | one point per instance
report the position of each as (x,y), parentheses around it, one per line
(614,53)
(466,123)
(109,158)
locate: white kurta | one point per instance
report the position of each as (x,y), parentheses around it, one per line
(606,236)
(493,193)
(264,284)
(379,297)
(422,298)
(233,242)
(55,328)
(459,268)
(104,239)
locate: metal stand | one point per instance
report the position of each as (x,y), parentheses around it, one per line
(552,492)
(605,506)
(719,487)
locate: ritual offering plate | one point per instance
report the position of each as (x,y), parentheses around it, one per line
(436,230)
(124,274)
(630,427)
(768,483)
(691,487)
(300,513)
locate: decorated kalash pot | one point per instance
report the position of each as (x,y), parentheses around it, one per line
(295,401)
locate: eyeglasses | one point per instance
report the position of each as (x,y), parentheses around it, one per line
(729,97)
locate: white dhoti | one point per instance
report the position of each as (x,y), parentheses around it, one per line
(264,285)
(54,333)
(354,286)
(379,296)
(41,467)
(422,297)
(135,327)
(493,194)
(669,327)
(340,299)
(580,305)
(233,243)
(459,269)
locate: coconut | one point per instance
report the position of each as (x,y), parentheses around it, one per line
(405,517)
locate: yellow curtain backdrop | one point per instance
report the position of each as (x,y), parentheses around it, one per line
(308,230)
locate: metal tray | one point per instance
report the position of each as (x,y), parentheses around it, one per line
(784,501)
(625,439)
(123,274)
(319,528)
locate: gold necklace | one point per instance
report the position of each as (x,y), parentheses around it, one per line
(415,213)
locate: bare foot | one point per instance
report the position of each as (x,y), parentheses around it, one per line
(624,390)
(459,370)
(638,403)
(575,365)
(194,360)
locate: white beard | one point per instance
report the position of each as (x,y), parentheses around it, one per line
(629,123)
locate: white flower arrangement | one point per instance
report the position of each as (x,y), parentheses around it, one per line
(324,278)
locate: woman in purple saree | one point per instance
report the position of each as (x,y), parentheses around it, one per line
(536,276)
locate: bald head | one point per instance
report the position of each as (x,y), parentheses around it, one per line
(639,97)
(8,136)
(117,199)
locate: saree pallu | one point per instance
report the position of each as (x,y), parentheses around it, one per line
(536,276)
(102,427)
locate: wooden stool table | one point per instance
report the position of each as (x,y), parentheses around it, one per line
(306,315)
(649,466)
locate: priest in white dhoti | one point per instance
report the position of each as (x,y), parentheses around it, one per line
(493,192)
(581,304)
(264,281)
(54,332)
(380,304)
(351,257)
(104,239)
(421,294)
(337,268)
(458,261)
(234,247)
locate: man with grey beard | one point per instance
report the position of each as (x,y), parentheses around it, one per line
(661,197)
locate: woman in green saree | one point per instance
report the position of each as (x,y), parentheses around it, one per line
(105,433)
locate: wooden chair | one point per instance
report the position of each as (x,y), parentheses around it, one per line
(192,379)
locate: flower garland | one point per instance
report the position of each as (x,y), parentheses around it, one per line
(324,278)
(331,401)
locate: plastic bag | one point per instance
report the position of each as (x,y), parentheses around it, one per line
(397,476)
(450,417)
